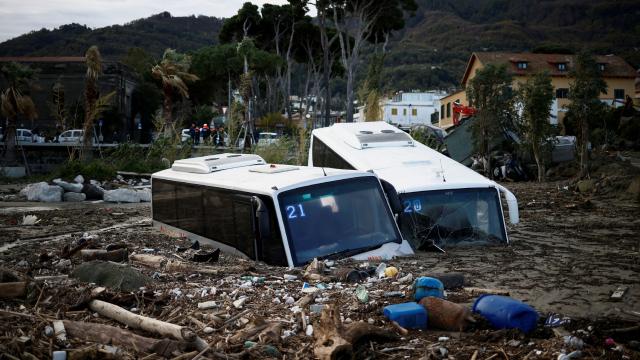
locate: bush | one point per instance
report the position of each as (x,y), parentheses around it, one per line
(96,170)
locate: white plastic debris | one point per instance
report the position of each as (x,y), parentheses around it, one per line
(42,192)
(207,305)
(121,196)
(406,279)
(309,330)
(290,277)
(238,304)
(29,220)
(208,330)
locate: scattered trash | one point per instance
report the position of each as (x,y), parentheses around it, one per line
(391,272)
(207,305)
(446,315)
(555,320)
(506,313)
(574,342)
(309,330)
(406,279)
(573,355)
(380,270)
(443,338)
(290,277)
(394,294)
(206,256)
(362,294)
(619,293)
(428,286)
(409,315)
(111,275)
(30,220)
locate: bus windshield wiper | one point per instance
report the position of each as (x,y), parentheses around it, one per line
(348,252)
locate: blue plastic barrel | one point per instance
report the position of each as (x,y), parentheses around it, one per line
(503,312)
(409,315)
(428,286)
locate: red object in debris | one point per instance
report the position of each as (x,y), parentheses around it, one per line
(462,111)
(609,342)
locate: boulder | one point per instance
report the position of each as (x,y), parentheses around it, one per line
(111,275)
(145,195)
(92,192)
(42,192)
(585,186)
(79,179)
(121,196)
(72,187)
(74,197)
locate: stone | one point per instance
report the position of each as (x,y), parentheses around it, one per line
(93,192)
(121,196)
(74,197)
(145,195)
(42,192)
(112,275)
(72,187)
(79,179)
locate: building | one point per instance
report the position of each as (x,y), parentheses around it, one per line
(412,108)
(616,72)
(70,72)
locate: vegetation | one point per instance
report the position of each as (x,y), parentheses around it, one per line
(16,101)
(585,107)
(490,92)
(536,96)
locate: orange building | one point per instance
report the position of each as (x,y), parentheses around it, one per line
(616,72)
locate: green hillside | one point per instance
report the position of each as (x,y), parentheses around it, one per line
(154,34)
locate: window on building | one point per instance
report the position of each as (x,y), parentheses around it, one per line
(618,93)
(601,66)
(414,112)
(562,66)
(449,109)
(404,112)
(394,111)
(522,65)
(562,93)
(441,111)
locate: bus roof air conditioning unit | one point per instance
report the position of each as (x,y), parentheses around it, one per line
(385,138)
(213,163)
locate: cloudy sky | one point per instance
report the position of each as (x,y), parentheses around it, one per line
(21,16)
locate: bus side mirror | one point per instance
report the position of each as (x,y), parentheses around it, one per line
(392,196)
(262,219)
(512,204)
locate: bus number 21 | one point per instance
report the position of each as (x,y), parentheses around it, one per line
(293,211)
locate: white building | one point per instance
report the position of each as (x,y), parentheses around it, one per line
(412,108)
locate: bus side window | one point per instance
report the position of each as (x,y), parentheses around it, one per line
(243,219)
(272,252)
(323,156)
(164,198)
(189,208)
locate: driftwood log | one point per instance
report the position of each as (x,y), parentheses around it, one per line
(336,341)
(135,321)
(10,290)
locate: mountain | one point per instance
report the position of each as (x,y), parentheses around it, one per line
(433,49)
(431,52)
(154,34)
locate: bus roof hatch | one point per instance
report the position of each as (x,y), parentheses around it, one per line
(213,163)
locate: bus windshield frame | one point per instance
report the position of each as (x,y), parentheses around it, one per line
(337,218)
(452,217)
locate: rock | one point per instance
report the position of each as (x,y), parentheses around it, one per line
(208,330)
(144,194)
(95,182)
(74,197)
(92,192)
(111,275)
(585,186)
(72,187)
(121,196)
(79,179)
(42,192)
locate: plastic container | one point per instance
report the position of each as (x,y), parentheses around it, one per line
(428,286)
(408,315)
(446,315)
(503,312)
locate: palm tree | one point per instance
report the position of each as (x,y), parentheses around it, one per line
(94,70)
(173,71)
(15,102)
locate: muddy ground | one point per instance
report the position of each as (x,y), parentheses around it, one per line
(568,254)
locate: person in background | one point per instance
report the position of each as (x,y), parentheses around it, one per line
(205,134)
(192,133)
(197,136)
(221,136)
(214,136)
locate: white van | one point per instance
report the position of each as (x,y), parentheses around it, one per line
(280,214)
(443,202)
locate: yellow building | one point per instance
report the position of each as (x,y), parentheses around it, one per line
(617,73)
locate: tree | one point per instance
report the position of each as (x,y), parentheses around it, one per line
(16,101)
(361,21)
(584,91)
(536,96)
(490,92)
(173,72)
(371,91)
(91,95)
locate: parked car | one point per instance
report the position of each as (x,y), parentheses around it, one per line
(24,136)
(70,136)
(268,138)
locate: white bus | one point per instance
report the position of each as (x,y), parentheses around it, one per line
(443,202)
(279,214)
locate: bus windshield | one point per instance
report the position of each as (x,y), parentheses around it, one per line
(338,218)
(452,217)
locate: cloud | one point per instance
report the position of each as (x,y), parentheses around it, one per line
(20,17)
